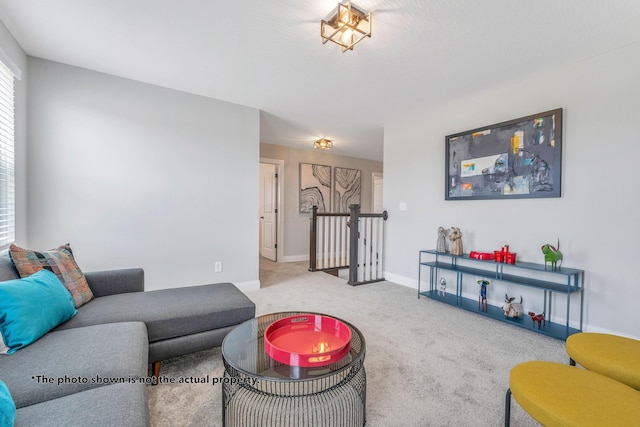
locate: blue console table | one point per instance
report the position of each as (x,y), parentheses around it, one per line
(554,283)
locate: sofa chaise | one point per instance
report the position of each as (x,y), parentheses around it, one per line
(93,369)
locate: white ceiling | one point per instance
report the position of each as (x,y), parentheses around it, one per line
(268,54)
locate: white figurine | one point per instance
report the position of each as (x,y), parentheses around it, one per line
(443,287)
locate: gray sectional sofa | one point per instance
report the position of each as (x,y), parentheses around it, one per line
(93,370)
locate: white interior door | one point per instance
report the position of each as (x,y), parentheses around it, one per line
(268,210)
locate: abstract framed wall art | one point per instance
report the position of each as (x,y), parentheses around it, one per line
(520,158)
(315,187)
(347,188)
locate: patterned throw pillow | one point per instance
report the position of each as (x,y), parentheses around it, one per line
(60,262)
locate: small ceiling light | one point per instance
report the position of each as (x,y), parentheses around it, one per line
(323,144)
(346,25)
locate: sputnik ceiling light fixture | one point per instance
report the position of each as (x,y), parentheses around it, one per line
(323,144)
(346,25)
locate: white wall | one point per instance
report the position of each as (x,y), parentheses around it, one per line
(13,50)
(296,224)
(134,175)
(596,219)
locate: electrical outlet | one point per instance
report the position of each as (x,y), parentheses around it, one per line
(218,267)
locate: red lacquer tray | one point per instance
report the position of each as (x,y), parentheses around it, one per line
(481,255)
(307,340)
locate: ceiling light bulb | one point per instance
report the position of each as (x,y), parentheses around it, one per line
(347,37)
(344,16)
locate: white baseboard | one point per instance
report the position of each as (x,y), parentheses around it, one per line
(248,286)
(401,280)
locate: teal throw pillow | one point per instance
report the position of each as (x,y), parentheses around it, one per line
(7,407)
(31,307)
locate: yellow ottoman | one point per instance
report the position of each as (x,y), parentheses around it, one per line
(610,355)
(562,395)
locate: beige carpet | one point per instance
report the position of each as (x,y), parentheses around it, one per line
(428,364)
(273,273)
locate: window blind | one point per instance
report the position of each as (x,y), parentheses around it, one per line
(7,160)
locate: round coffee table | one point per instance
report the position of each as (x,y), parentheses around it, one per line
(259,391)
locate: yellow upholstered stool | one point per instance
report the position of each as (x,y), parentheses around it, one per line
(562,395)
(610,355)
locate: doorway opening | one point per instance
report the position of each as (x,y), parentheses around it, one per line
(376,196)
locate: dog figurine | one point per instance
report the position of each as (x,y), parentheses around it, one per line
(442,290)
(552,256)
(537,318)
